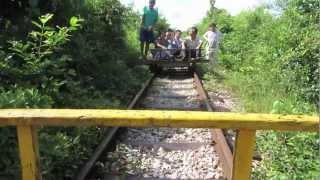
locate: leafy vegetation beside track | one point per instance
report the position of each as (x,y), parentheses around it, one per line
(83,55)
(269,57)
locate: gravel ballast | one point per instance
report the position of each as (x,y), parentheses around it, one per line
(166,153)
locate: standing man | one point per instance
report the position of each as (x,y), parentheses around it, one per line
(149,19)
(212,38)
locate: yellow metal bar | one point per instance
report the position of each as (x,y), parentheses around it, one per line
(151,118)
(29,152)
(243,153)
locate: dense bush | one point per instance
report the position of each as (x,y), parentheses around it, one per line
(60,61)
(272,63)
(16,98)
(288,155)
(278,54)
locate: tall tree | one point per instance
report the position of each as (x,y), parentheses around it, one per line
(212,4)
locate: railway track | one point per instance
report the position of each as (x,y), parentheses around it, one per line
(163,153)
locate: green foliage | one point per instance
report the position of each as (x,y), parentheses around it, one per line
(288,155)
(104,54)
(162,25)
(95,68)
(274,56)
(34,64)
(24,98)
(16,98)
(10,162)
(30,78)
(218,16)
(64,150)
(287,107)
(272,63)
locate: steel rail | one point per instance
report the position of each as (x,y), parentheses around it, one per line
(86,169)
(221,145)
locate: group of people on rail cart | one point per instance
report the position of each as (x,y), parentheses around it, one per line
(170,44)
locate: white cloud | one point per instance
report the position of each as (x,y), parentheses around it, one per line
(183,14)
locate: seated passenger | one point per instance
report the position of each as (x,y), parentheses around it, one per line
(163,44)
(177,43)
(161,39)
(193,44)
(177,39)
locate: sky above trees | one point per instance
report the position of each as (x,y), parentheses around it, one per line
(183,14)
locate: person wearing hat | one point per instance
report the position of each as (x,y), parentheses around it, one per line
(149,19)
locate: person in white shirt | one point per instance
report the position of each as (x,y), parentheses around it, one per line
(212,38)
(192,44)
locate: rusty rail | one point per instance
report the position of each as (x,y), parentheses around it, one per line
(219,139)
(85,170)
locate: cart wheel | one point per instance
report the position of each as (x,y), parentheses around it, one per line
(155,69)
(152,68)
(158,69)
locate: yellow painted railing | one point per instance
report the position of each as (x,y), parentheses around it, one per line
(27,120)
